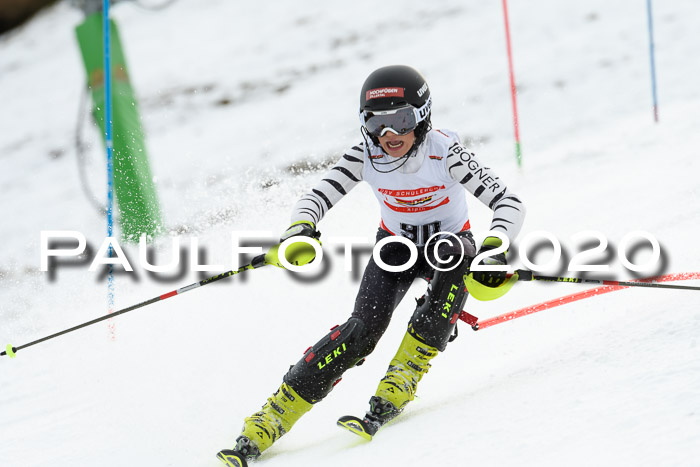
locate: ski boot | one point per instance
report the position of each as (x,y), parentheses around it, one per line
(264,427)
(396,389)
(406,369)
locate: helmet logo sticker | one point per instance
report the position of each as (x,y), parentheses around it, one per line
(383,92)
(422,89)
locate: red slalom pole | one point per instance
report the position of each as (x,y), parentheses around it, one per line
(518,153)
(545,306)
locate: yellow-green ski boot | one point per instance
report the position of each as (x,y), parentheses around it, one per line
(396,389)
(260,430)
(406,369)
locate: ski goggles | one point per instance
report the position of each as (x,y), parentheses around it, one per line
(400,121)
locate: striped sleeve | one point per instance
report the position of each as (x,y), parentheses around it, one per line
(335,184)
(484,184)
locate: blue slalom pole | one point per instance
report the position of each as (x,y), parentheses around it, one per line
(653,65)
(109,145)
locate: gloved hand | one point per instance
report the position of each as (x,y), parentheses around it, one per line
(297,253)
(305,228)
(491,278)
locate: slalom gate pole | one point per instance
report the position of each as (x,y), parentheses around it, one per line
(257,262)
(109,143)
(518,154)
(650,25)
(607,287)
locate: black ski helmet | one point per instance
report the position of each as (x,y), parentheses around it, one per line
(396,86)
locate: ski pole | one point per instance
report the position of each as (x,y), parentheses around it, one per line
(525,275)
(257,262)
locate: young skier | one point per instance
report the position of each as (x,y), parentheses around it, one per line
(418,175)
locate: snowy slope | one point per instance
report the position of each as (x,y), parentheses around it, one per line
(231,97)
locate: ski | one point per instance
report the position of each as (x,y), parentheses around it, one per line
(364,428)
(381,412)
(232,458)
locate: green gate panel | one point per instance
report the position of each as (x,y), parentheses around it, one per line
(137,200)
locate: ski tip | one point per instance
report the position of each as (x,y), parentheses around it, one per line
(355,425)
(232,458)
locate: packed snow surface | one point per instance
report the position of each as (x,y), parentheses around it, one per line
(244,106)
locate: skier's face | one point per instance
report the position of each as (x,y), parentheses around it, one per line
(397,145)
